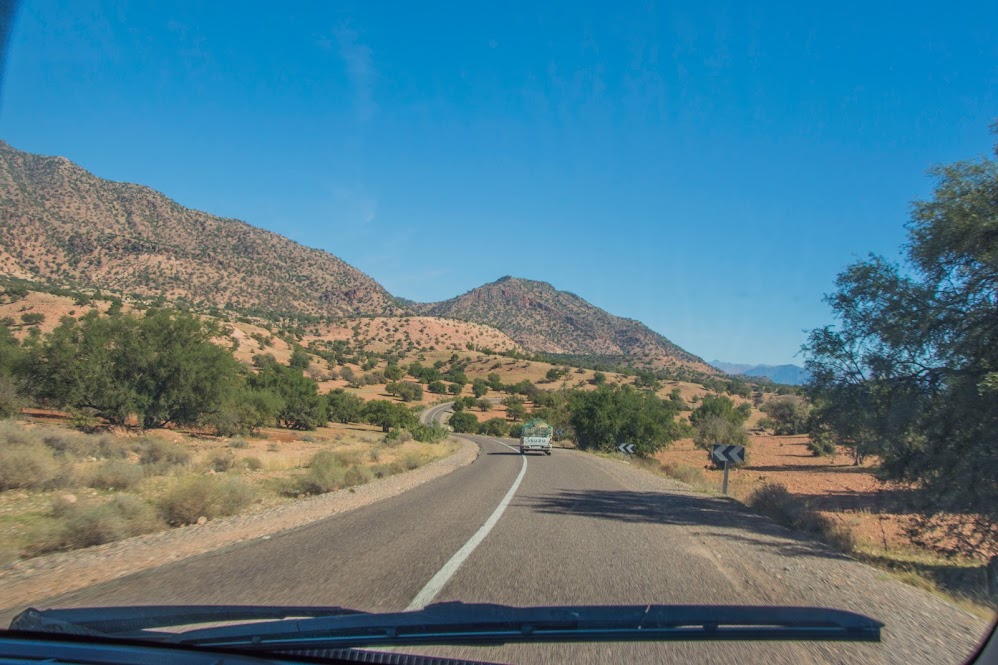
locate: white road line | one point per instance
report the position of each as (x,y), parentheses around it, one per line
(437,582)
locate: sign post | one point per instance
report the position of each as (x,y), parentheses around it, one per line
(727,455)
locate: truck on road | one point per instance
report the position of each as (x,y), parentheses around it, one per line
(536,435)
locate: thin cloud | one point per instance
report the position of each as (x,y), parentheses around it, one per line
(360,70)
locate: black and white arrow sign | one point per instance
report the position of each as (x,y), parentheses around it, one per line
(626,448)
(734,454)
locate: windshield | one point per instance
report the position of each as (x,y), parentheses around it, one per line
(515,333)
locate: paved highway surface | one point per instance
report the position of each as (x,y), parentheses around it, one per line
(571,528)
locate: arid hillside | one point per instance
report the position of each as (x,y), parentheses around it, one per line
(544,319)
(62,224)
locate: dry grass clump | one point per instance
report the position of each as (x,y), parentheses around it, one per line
(780,505)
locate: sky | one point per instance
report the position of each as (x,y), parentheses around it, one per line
(707,170)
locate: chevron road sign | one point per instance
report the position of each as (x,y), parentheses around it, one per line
(733,454)
(626,448)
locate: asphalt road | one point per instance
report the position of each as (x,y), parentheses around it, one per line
(566,529)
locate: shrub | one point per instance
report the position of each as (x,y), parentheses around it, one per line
(431,433)
(821,446)
(347,457)
(221,461)
(357,475)
(325,474)
(464,421)
(82,420)
(412,461)
(396,437)
(10,398)
(210,496)
(690,475)
(117,475)
(494,427)
(160,455)
(775,502)
(385,470)
(95,524)
(238,442)
(27,466)
(252,463)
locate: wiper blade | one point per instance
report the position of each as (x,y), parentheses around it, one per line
(461,623)
(138,620)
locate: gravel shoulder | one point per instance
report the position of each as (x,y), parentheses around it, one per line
(45,576)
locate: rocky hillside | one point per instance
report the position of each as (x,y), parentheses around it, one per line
(60,223)
(544,319)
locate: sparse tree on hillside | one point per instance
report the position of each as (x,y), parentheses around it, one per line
(344,407)
(389,415)
(479,387)
(789,414)
(299,358)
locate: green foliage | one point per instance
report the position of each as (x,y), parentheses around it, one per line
(394,373)
(32,318)
(494,381)
(464,421)
(599,379)
(299,358)
(432,433)
(611,415)
(10,397)
(301,406)
(389,415)
(790,414)
(453,388)
(479,387)
(437,387)
(245,410)
(720,407)
(162,367)
(714,430)
(344,407)
(907,372)
(494,427)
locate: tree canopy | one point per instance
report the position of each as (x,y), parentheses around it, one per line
(910,371)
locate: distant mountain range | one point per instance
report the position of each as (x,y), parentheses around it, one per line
(792,375)
(63,225)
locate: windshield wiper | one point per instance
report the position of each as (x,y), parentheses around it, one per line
(459,623)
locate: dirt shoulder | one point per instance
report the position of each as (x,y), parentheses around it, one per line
(49,575)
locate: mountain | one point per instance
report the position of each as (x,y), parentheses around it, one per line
(544,319)
(792,375)
(60,223)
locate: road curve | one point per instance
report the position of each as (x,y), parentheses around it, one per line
(576,529)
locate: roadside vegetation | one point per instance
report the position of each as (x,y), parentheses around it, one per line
(63,490)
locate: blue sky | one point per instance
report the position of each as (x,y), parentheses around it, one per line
(707,170)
